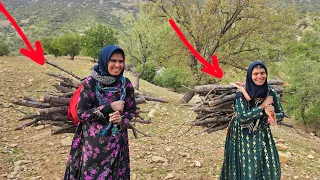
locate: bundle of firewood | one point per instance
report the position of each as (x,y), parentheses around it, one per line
(216,107)
(53,107)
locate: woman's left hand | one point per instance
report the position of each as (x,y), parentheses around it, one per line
(271,115)
(115,117)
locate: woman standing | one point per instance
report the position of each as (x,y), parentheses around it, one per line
(250,151)
(100,147)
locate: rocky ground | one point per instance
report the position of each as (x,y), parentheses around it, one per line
(33,153)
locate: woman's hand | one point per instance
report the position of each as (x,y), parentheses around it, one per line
(117,105)
(266,102)
(271,115)
(115,117)
(269,108)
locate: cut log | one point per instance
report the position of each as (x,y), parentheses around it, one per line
(222,100)
(55,99)
(31,104)
(31,116)
(29,99)
(207,121)
(140,100)
(188,96)
(69,129)
(68,85)
(62,88)
(63,109)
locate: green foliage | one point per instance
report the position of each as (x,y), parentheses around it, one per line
(98,37)
(70,44)
(303,70)
(51,46)
(4,49)
(238,32)
(146,40)
(173,77)
(42,18)
(149,71)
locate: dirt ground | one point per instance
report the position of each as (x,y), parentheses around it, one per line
(33,153)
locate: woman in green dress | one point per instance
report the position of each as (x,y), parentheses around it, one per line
(250,151)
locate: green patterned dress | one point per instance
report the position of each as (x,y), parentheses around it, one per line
(250,151)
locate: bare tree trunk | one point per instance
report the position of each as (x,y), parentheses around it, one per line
(138,77)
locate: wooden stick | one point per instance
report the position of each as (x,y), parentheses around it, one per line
(132,127)
(62,109)
(31,104)
(62,88)
(68,72)
(207,121)
(55,99)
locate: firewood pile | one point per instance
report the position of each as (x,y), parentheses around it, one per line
(53,107)
(216,107)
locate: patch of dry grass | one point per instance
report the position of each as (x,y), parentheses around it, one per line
(20,76)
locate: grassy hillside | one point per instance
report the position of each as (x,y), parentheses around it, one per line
(50,18)
(34,154)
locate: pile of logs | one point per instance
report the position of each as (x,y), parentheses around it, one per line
(53,107)
(216,107)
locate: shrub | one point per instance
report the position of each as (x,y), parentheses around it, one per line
(173,77)
(4,49)
(149,72)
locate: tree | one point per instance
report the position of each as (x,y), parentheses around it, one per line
(302,68)
(146,41)
(237,31)
(70,44)
(98,37)
(51,46)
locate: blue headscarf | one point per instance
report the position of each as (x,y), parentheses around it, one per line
(103,60)
(252,89)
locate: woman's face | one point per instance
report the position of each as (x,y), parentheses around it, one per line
(115,64)
(259,76)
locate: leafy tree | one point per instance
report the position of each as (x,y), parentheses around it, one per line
(146,41)
(238,32)
(98,37)
(51,46)
(70,44)
(302,68)
(149,72)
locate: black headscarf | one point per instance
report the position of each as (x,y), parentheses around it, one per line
(103,60)
(252,89)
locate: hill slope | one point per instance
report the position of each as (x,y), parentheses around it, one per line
(34,154)
(50,18)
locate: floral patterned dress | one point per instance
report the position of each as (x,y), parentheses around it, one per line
(94,156)
(251,155)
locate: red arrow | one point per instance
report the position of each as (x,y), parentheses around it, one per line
(211,69)
(37,54)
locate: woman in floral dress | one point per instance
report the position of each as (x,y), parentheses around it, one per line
(250,151)
(100,147)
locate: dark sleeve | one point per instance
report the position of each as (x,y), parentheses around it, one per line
(246,116)
(277,105)
(87,110)
(129,110)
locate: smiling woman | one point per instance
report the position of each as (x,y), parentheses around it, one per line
(250,151)
(106,105)
(259,75)
(116,63)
